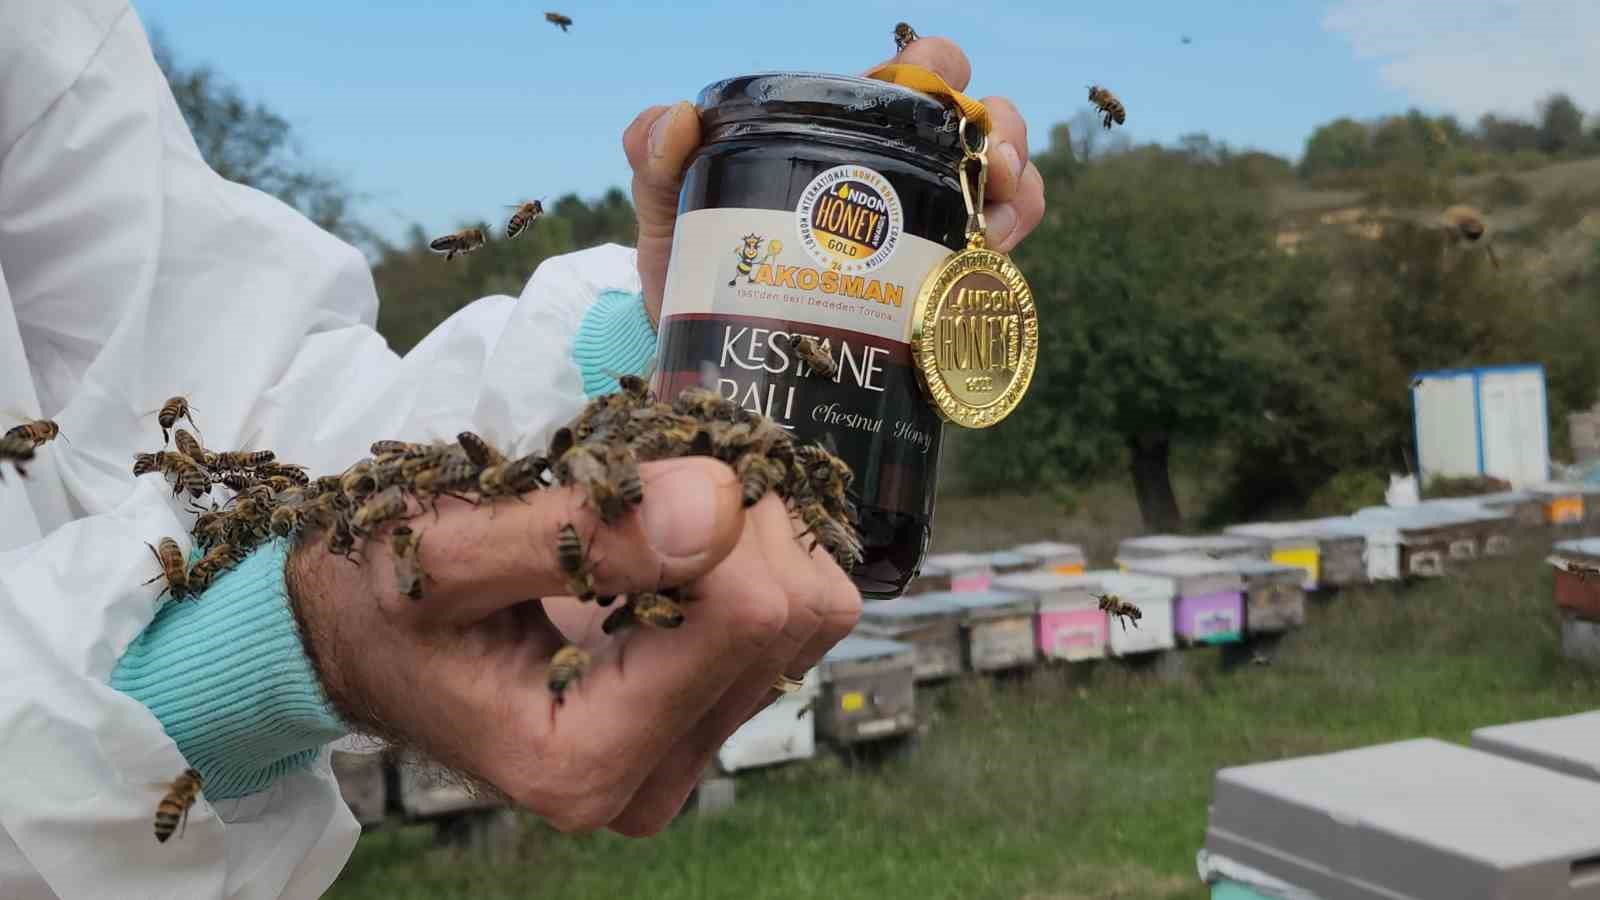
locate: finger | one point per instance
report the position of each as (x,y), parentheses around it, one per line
(690,519)
(841,610)
(798,576)
(942,56)
(646,691)
(658,145)
(1008,223)
(1008,150)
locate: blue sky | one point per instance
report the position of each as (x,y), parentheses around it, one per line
(448,111)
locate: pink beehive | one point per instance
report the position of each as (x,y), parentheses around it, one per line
(1070,623)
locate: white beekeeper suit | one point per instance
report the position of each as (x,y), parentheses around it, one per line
(129,273)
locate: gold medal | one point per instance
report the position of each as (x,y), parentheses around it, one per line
(975,330)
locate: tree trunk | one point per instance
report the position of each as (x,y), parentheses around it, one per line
(1152,482)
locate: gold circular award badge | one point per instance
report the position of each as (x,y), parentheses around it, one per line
(975,337)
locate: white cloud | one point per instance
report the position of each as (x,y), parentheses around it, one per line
(1477,56)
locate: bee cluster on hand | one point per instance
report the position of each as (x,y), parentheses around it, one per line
(598,452)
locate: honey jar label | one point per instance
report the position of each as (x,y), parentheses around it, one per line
(744,284)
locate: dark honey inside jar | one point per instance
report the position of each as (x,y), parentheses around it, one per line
(817,205)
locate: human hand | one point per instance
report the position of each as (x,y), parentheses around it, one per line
(461,674)
(662,138)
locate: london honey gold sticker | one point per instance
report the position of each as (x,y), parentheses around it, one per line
(849,219)
(975,337)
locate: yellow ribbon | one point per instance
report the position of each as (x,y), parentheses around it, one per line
(928,82)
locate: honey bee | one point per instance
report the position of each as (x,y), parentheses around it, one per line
(16,450)
(390,503)
(904,34)
(172,813)
(558,20)
(206,570)
(169,414)
(653,608)
(814,354)
(237,481)
(170,557)
(1466,223)
(584,466)
(145,463)
(574,563)
(446,478)
(1123,610)
(186,475)
(39,432)
(525,216)
(244,459)
(289,471)
(402,449)
(758,475)
(190,447)
(511,479)
(464,241)
(1110,107)
(567,668)
(342,539)
(287,520)
(408,573)
(478,450)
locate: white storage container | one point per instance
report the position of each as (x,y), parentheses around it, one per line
(1487,420)
(783,732)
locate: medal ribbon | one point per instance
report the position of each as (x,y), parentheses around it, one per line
(929,82)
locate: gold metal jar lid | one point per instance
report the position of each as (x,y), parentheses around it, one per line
(975,336)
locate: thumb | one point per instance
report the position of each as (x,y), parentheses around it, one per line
(658,145)
(690,519)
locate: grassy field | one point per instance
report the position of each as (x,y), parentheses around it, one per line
(1088,781)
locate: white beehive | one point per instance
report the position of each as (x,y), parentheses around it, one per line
(783,732)
(1154,595)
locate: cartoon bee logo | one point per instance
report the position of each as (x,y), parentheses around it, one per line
(747,253)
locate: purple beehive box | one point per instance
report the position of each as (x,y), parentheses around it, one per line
(1209,608)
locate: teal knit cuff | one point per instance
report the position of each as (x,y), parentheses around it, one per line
(616,338)
(228,678)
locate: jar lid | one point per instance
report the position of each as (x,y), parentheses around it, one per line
(861,104)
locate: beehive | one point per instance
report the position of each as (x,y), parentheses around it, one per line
(955,572)
(1566,744)
(1065,559)
(1341,551)
(1525,510)
(1008,562)
(996,629)
(1274,598)
(868,690)
(929,624)
(1423,537)
(783,732)
(1291,544)
(1577,591)
(1209,604)
(1069,624)
(1414,820)
(1580,640)
(1154,595)
(1216,546)
(1563,503)
(1474,529)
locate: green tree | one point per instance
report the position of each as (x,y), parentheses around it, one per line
(1560,125)
(1151,271)
(247,142)
(1340,145)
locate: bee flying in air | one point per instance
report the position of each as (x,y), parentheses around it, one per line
(39,432)
(523,218)
(464,241)
(1122,609)
(16,450)
(172,813)
(567,667)
(169,414)
(1111,109)
(558,20)
(817,356)
(904,34)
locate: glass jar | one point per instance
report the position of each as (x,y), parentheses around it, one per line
(818,205)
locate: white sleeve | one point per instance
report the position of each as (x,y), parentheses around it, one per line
(129,272)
